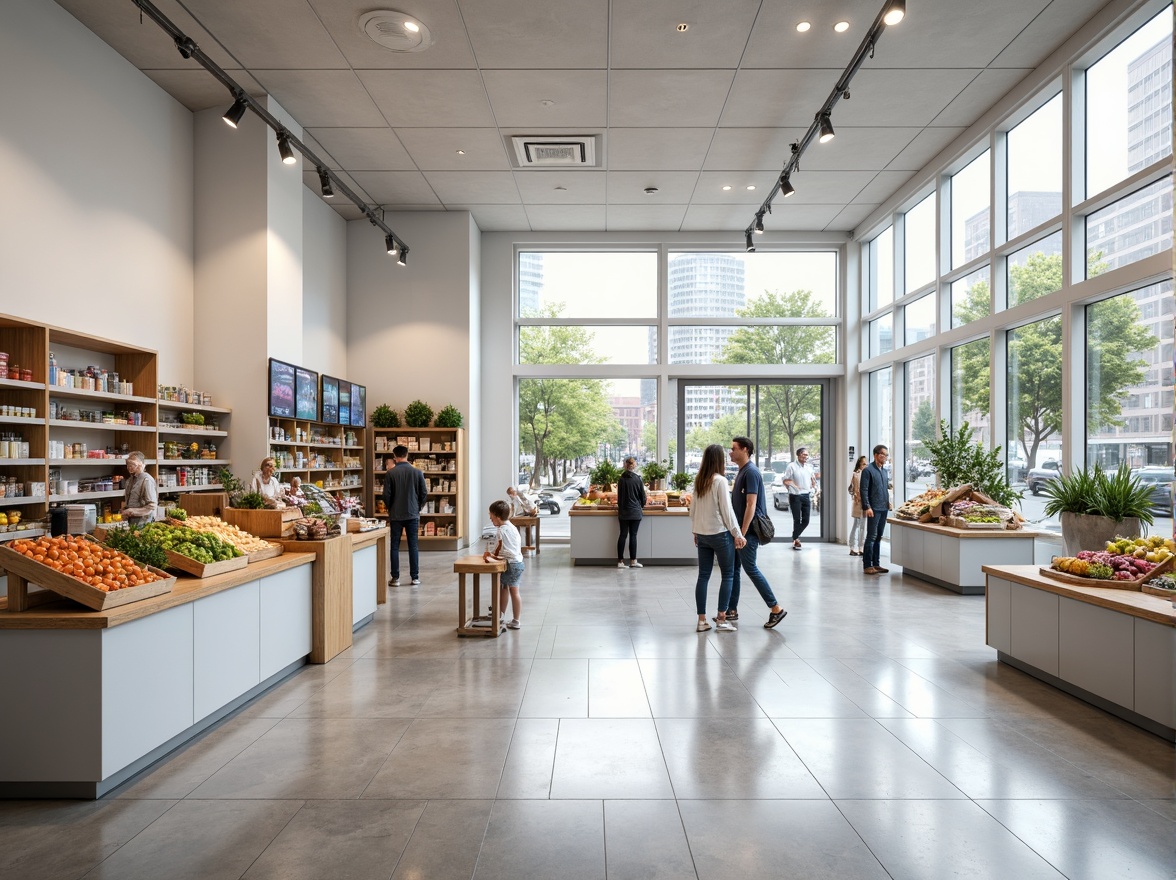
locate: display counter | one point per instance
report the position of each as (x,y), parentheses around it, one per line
(952,558)
(1113,648)
(93,697)
(663,539)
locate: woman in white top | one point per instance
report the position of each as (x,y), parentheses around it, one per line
(716,534)
(267,484)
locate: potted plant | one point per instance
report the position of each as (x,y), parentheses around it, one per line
(449,417)
(681,481)
(654,472)
(957,460)
(1094,507)
(605,475)
(418,414)
(383,416)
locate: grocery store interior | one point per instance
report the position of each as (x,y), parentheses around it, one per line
(589,230)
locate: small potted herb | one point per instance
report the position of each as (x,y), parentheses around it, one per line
(383,416)
(654,472)
(418,414)
(605,475)
(449,417)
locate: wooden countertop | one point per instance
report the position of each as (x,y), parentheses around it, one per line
(965,533)
(612,511)
(1154,608)
(66,614)
(367,539)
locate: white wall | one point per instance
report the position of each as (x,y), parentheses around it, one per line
(96,217)
(324,287)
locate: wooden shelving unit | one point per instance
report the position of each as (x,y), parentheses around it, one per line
(330,455)
(446,472)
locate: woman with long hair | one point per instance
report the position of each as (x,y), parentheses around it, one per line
(857,533)
(630,503)
(716,534)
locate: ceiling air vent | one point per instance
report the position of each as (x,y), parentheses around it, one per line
(552,151)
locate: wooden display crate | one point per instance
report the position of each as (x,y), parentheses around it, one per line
(269,553)
(263,523)
(196,568)
(1135,585)
(23,571)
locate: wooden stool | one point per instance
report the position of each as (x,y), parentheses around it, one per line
(526,524)
(476,566)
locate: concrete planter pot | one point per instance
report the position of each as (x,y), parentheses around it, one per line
(1082,531)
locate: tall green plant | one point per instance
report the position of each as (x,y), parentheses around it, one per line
(958,460)
(605,474)
(1092,492)
(1122,495)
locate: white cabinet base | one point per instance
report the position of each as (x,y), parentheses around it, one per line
(662,539)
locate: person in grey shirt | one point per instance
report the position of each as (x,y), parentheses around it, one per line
(405,494)
(140,494)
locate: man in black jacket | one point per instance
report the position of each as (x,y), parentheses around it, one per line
(875,494)
(405,494)
(630,507)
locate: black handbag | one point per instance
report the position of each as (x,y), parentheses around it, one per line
(763,527)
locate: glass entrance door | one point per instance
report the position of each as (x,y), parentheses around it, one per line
(780,417)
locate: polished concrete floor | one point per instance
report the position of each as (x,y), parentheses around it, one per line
(871,735)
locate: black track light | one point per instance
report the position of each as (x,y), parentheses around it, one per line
(759,223)
(390,243)
(402,260)
(284,148)
(325,184)
(786,187)
(750,244)
(827,133)
(234,114)
(896,12)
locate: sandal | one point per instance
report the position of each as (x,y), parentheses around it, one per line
(703,626)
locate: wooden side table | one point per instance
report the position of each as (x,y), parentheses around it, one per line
(526,524)
(476,566)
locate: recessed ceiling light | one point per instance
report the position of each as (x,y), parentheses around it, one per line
(803,26)
(651,190)
(412,27)
(751,186)
(683,27)
(561,189)
(461,152)
(726,188)
(546,102)
(841,27)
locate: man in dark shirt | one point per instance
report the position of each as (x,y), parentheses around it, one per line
(405,494)
(747,498)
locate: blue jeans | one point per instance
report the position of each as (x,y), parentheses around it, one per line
(745,559)
(722,546)
(410,526)
(800,505)
(875,526)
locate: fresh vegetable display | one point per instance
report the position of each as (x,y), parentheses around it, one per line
(1153,549)
(1163,582)
(251,501)
(920,504)
(103,568)
(1105,565)
(202,546)
(131,542)
(177,513)
(230,534)
(192,418)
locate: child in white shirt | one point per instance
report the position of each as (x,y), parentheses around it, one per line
(510,548)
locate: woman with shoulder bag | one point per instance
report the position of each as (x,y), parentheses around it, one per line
(716,534)
(857,532)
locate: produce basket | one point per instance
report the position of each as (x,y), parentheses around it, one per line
(1135,585)
(269,553)
(69,587)
(263,523)
(1157,591)
(196,568)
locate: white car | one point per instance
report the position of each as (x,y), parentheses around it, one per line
(779,493)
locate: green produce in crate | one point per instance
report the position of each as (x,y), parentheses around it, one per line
(202,546)
(131,542)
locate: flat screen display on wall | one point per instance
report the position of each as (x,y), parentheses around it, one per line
(281,389)
(306,394)
(344,403)
(358,405)
(330,400)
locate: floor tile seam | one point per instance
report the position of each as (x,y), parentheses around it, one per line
(387,758)
(931,683)
(265,848)
(1029,846)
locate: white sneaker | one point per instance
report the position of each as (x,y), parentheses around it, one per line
(726,626)
(514,624)
(620,565)
(394,582)
(416,582)
(635,564)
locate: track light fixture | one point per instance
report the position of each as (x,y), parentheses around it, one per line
(896,12)
(325,183)
(287,143)
(827,133)
(390,243)
(750,243)
(234,114)
(891,13)
(402,260)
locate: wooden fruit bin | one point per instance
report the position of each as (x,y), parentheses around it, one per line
(263,523)
(270,553)
(196,568)
(1135,585)
(23,571)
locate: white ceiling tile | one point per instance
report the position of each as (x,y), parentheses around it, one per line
(474,187)
(666,148)
(899,97)
(197,90)
(881,187)
(397,188)
(674,187)
(984,91)
(787,217)
(347,210)
(719,217)
(577,98)
(429,98)
(812,187)
(363,149)
(925,147)
(1044,34)
(450,49)
(775,41)
(554,218)
(580,187)
(858,149)
(677,98)
(850,217)
(751,149)
(321,98)
(770,98)
(709,189)
(645,33)
(265,34)
(555,33)
(498,218)
(929,35)
(435,149)
(652,218)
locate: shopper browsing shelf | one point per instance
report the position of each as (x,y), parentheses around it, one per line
(405,493)
(509,548)
(630,507)
(140,494)
(265,482)
(716,535)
